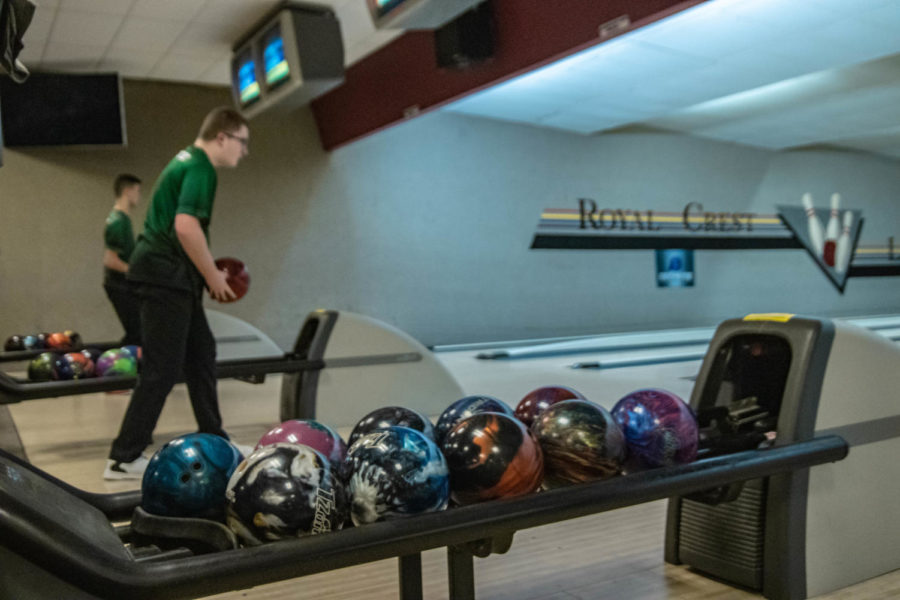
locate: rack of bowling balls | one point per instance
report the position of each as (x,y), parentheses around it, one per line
(209,520)
(19,348)
(61,364)
(304,479)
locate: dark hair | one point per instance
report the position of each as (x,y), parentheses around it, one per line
(223,119)
(125,180)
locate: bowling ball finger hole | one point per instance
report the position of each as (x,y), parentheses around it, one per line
(185,477)
(196,466)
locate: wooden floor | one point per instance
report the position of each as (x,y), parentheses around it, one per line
(614,555)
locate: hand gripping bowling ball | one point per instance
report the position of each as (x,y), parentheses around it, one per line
(317,436)
(581,442)
(382,418)
(660,429)
(238,277)
(395,472)
(14,343)
(537,401)
(284,491)
(41,367)
(466,407)
(188,475)
(492,455)
(116,362)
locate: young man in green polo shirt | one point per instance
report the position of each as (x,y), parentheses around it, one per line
(171,264)
(118,238)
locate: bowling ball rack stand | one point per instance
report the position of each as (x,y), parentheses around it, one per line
(251,370)
(61,542)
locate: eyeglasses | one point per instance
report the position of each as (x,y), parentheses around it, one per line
(245,142)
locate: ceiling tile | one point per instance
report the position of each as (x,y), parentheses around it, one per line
(130,63)
(173,10)
(203,40)
(74,27)
(151,34)
(219,73)
(181,68)
(244,13)
(39,30)
(77,55)
(111,7)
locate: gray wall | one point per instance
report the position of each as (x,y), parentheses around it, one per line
(427,225)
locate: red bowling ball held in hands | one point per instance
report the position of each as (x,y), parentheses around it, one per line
(238,277)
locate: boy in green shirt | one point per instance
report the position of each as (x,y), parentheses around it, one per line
(171,264)
(118,239)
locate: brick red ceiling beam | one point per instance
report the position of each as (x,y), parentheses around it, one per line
(402,79)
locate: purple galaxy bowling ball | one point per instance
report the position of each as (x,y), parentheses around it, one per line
(537,401)
(466,407)
(115,362)
(317,436)
(387,416)
(660,429)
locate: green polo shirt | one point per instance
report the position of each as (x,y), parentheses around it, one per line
(186,186)
(118,237)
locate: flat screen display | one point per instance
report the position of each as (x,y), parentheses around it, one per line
(248,86)
(277,68)
(62,110)
(383,7)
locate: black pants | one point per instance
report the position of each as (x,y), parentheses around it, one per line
(128,309)
(176,338)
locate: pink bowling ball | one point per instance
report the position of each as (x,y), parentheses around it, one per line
(317,436)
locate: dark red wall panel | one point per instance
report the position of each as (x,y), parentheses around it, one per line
(381,88)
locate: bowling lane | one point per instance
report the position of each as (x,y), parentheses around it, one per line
(612,365)
(511,379)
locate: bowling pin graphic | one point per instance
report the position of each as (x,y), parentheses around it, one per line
(842,254)
(832,231)
(814,227)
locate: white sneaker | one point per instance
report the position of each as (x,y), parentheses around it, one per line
(243,449)
(130,470)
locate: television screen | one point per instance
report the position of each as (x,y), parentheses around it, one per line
(62,110)
(248,86)
(383,7)
(277,68)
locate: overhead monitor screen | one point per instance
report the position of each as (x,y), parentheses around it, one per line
(248,86)
(383,7)
(277,68)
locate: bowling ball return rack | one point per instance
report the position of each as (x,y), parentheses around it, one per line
(251,370)
(59,541)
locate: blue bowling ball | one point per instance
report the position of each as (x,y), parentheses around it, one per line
(395,472)
(464,408)
(187,477)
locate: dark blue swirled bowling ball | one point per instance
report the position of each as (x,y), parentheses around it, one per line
(395,472)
